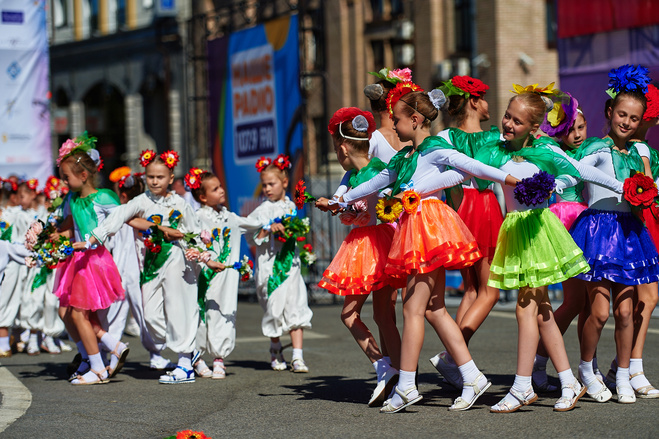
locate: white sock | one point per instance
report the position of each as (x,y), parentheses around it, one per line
(567,378)
(82,350)
(297,354)
(96,362)
(622,381)
(4,344)
(155,356)
(109,343)
(586,371)
(405,382)
(521,384)
(34,339)
(185,361)
(381,366)
(25,335)
(636,366)
(470,373)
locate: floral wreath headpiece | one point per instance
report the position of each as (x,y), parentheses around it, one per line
(32,184)
(82,143)
(263,163)
(362,121)
(464,86)
(170,158)
(9,185)
(652,98)
(394,76)
(628,78)
(400,90)
(192,179)
(549,94)
(561,117)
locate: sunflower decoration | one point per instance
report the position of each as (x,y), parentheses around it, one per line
(263,163)
(32,184)
(388,209)
(170,158)
(400,90)
(548,90)
(147,157)
(411,201)
(282,162)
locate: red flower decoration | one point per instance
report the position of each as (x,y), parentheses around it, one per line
(262,163)
(170,158)
(640,190)
(400,90)
(471,86)
(100,165)
(147,157)
(652,98)
(348,114)
(308,247)
(193,181)
(32,184)
(189,434)
(282,162)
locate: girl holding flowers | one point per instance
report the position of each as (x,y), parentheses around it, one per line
(359,266)
(218,281)
(279,284)
(617,245)
(429,238)
(87,281)
(533,248)
(168,281)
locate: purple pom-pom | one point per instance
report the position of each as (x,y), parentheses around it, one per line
(534,190)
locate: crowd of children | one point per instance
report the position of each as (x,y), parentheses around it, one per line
(146,251)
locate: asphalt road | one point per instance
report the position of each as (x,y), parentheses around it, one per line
(330,401)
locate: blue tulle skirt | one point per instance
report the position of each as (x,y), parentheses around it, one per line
(617,247)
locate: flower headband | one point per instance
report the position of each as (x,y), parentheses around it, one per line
(549,94)
(561,117)
(464,86)
(82,143)
(401,89)
(170,158)
(362,121)
(192,179)
(652,98)
(32,184)
(395,76)
(9,185)
(628,78)
(281,161)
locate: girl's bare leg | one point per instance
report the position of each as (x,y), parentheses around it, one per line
(350,316)
(385,317)
(485,300)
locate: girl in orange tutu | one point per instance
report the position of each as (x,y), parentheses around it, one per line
(429,238)
(359,266)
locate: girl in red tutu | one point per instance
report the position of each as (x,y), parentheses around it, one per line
(429,238)
(359,266)
(479,209)
(88,280)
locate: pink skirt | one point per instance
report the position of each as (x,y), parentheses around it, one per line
(88,280)
(568,211)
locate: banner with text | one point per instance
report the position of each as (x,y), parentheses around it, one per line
(24,116)
(254,106)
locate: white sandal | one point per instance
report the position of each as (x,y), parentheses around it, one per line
(570,402)
(389,408)
(462,404)
(644,391)
(525,398)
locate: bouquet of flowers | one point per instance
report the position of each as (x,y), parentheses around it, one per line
(153,239)
(245,268)
(536,189)
(47,252)
(640,190)
(302,196)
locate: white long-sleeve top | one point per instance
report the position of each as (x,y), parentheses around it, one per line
(144,206)
(19,219)
(379,147)
(524,169)
(431,167)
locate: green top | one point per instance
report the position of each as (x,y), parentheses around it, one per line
(82,209)
(623,163)
(374,167)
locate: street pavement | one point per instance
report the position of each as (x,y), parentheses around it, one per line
(330,401)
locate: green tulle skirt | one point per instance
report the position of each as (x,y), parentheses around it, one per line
(534,249)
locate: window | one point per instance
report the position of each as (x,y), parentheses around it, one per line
(463,26)
(552,26)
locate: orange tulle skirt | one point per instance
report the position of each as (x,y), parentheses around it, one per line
(358,267)
(432,237)
(482,215)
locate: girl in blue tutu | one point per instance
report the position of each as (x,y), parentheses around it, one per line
(615,243)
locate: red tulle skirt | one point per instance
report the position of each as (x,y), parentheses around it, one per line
(88,280)
(482,215)
(434,236)
(568,211)
(358,267)
(652,223)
